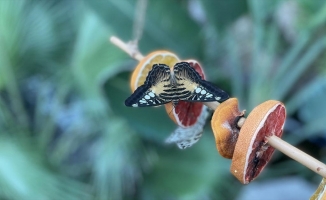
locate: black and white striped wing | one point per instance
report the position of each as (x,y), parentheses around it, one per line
(149,93)
(200,90)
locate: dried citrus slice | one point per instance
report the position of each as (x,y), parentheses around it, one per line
(252,152)
(185,114)
(146,64)
(225,126)
(320,193)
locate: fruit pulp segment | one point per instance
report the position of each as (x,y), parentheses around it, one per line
(261,152)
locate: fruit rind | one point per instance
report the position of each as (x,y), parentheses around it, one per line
(263,116)
(224,125)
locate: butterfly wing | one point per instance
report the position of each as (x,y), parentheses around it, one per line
(149,93)
(206,91)
(186,137)
(200,90)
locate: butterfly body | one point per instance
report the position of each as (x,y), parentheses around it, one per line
(183,83)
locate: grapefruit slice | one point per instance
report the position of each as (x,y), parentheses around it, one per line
(146,64)
(224,124)
(186,114)
(252,152)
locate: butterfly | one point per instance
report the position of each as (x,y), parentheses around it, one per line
(183,83)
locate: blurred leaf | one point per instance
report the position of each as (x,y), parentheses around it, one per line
(10,24)
(25,176)
(117,160)
(310,129)
(237,74)
(290,78)
(305,36)
(308,99)
(167,25)
(222,13)
(311,108)
(188,174)
(94,59)
(262,10)
(28,37)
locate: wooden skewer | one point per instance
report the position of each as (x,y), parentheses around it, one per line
(297,155)
(276,142)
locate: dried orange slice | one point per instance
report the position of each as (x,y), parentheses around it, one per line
(186,114)
(252,152)
(146,64)
(225,126)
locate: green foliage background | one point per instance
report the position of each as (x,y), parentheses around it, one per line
(66,134)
